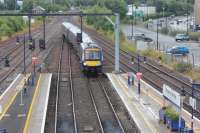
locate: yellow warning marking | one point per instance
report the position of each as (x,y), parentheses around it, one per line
(31,106)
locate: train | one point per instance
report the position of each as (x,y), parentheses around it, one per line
(89,53)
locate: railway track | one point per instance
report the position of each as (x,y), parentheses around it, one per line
(65,118)
(152,73)
(107,116)
(17,60)
(78,104)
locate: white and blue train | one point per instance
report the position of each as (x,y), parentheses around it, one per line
(90,54)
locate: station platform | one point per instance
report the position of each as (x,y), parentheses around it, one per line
(35,120)
(144,109)
(9,95)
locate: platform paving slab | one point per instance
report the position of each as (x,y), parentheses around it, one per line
(36,117)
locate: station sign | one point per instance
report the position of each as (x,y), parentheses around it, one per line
(171,95)
(192,102)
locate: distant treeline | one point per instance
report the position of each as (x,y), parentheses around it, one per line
(10,25)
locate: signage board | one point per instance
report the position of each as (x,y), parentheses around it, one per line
(35,60)
(171,95)
(192,102)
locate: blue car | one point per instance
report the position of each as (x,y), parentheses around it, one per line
(178,50)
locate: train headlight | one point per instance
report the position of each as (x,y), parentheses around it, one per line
(84,63)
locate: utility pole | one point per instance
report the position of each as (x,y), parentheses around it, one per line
(157,36)
(187,16)
(132,22)
(44,32)
(117,41)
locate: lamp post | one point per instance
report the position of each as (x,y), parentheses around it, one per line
(181,106)
(163,12)
(132,23)
(157,36)
(139,74)
(187,16)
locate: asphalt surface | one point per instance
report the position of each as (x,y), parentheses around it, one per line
(166,42)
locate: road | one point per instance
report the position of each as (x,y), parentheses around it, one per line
(166,42)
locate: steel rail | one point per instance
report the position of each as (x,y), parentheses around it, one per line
(72,91)
(111,106)
(95,107)
(127,67)
(188,90)
(57,89)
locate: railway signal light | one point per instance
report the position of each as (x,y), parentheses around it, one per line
(132,60)
(145,59)
(7,62)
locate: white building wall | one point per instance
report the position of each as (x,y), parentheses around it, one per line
(144,9)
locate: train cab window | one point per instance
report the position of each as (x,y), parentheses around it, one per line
(92,55)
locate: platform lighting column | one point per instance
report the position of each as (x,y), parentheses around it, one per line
(117,27)
(138,59)
(44,25)
(157,35)
(81,26)
(187,16)
(192,117)
(181,107)
(24,41)
(132,23)
(29,27)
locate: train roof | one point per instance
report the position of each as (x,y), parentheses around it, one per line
(74,29)
(89,45)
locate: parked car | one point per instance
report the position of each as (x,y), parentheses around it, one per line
(139,36)
(178,50)
(182,37)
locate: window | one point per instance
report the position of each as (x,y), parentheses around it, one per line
(92,55)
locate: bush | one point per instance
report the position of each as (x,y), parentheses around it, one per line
(174,32)
(9,25)
(164,30)
(171,113)
(183,67)
(98,22)
(153,53)
(195,36)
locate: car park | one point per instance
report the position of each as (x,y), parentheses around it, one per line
(182,37)
(178,50)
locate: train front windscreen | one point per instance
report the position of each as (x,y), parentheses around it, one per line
(92,55)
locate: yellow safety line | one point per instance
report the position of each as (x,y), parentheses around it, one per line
(11,100)
(153,129)
(31,106)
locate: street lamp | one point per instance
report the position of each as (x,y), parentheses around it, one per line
(139,74)
(187,16)
(157,35)
(181,106)
(132,23)
(163,12)
(24,71)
